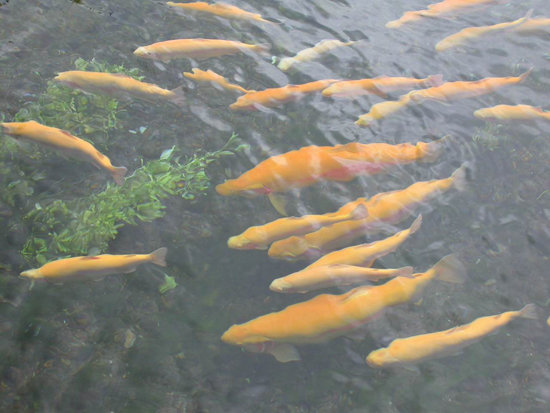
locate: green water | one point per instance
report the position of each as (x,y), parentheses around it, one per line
(69,348)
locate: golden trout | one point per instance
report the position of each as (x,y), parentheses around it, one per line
(532,26)
(224,10)
(95,268)
(64,143)
(210,76)
(510,114)
(313,53)
(383,110)
(410,351)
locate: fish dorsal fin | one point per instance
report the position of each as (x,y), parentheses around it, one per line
(67,133)
(89,258)
(538,109)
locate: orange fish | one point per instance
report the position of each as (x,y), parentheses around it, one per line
(198,49)
(95,268)
(364,255)
(260,237)
(410,351)
(453,91)
(511,114)
(380,86)
(384,208)
(64,143)
(383,110)
(532,26)
(270,98)
(329,316)
(224,10)
(313,53)
(310,164)
(210,76)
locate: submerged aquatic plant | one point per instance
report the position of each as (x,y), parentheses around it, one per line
(489,136)
(76,227)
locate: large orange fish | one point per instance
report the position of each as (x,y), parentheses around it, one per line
(310,164)
(270,98)
(64,143)
(224,10)
(453,91)
(329,316)
(384,208)
(511,114)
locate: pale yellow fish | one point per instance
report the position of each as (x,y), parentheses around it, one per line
(118,85)
(334,275)
(196,49)
(224,10)
(533,25)
(64,143)
(476,33)
(510,114)
(94,268)
(210,76)
(313,53)
(413,350)
(383,110)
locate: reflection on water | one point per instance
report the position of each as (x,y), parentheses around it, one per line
(149,340)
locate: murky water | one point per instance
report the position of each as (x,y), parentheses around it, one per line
(121,345)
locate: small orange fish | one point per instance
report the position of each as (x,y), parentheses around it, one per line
(384,208)
(329,316)
(64,143)
(410,351)
(260,237)
(198,49)
(96,268)
(224,10)
(453,91)
(270,98)
(310,164)
(380,86)
(383,110)
(511,114)
(313,53)
(210,76)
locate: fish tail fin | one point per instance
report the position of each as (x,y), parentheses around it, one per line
(522,78)
(416,224)
(429,152)
(435,80)
(450,269)
(459,177)
(159,256)
(406,272)
(279,203)
(262,48)
(179,96)
(118,174)
(529,311)
(285,352)
(360,212)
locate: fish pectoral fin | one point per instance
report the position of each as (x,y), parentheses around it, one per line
(96,280)
(279,203)
(356,335)
(285,353)
(457,353)
(128,270)
(411,367)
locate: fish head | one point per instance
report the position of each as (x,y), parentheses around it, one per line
(293,249)
(380,358)
(31,274)
(243,103)
(143,52)
(239,242)
(65,79)
(241,335)
(485,115)
(281,286)
(286,64)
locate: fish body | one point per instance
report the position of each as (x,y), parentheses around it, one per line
(260,237)
(364,255)
(227,11)
(380,86)
(384,208)
(472,33)
(532,26)
(454,91)
(98,267)
(210,76)
(116,85)
(198,49)
(270,98)
(509,114)
(310,164)
(383,110)
(326,316)
(334,275)
(64,143)
(312,53)
(413,350)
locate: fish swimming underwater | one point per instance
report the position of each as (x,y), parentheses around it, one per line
(329,316)
(364,255)
(310,164)
(510,114)
(387,208)
(454,91)
(533,26)
(472,33)
(270,98)
(224,10)
(383,110)
(64,143)
(334,275)
(198,49)
(118,85)
(210,76)
(410,351)
(260,237)
(94,268)
(313,53)
(380,86)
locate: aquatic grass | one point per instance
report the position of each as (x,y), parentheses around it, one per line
(488,136)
